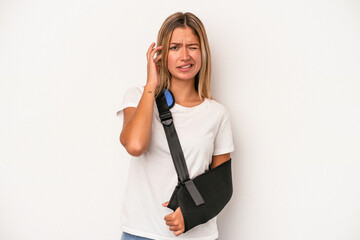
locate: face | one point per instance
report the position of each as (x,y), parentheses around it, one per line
(184,57)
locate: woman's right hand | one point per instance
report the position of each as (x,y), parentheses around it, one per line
(153,68)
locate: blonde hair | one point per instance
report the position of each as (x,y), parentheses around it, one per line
(183,20)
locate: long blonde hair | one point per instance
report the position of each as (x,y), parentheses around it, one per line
(182,20)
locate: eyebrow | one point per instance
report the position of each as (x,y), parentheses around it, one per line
(191,44)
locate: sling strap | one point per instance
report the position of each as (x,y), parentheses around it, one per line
(175,147)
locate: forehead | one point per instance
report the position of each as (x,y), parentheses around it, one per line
(180,35)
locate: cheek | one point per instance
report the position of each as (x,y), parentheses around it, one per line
(171,61)
(198,60)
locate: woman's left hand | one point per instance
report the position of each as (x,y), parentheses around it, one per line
(175,221)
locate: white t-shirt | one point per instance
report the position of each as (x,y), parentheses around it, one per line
(203,131)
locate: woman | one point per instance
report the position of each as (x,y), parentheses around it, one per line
(180,62)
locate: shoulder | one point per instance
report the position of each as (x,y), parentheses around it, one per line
(134,91)
(130,98)
(218,108)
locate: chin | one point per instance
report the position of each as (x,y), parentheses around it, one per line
(184,78)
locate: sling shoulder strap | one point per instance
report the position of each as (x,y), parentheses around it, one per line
(175,147)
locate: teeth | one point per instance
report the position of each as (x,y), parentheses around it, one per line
(186,66)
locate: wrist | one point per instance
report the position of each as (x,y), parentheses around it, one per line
(150,88)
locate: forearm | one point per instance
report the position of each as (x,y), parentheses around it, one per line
(136,133)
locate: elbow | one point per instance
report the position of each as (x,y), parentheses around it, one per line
(133,148)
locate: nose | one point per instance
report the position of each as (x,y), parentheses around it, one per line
(184,54)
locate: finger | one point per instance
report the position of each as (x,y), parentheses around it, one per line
(175,228)
(157,48)
(169,223)
(165,204)
(169,217)
(177,233)
(157,59)
(149,50)
(154,50)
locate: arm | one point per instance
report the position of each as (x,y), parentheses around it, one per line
(219,159)
(175,220)
(136,132)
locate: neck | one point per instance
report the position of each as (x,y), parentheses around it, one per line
(184,91)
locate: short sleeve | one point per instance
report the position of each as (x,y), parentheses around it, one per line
(224,139)
(131,98)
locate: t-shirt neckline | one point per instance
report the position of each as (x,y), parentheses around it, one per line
(197,107)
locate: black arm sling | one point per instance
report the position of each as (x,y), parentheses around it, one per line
(203,197)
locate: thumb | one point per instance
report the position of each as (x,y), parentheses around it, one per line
(165,204)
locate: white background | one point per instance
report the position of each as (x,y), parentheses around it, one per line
(288,72)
